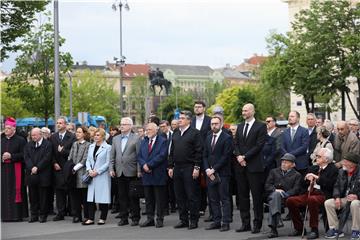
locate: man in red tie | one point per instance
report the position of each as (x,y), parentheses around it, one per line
(152,159)
(216,160)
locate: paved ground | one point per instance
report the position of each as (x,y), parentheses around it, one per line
(67,230)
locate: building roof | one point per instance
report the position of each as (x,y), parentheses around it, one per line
(184,69)
(232,73)
(131,70)
(256,60)
(78,66)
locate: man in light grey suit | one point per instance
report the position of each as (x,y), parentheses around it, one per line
(124,167)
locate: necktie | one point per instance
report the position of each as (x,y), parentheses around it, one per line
(213,142)
(36,144)
(292,133)
(61,137)
(150,145)
(246,130)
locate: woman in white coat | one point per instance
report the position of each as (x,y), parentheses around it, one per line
(99,189)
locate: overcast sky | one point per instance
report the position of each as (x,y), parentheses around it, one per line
(195,32)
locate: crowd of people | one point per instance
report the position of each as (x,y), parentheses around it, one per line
(189,165)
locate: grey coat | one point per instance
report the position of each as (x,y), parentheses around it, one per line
(125,163)
(78,154)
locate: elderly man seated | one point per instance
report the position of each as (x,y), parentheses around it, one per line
(346,189)
(317,187)
(281,183)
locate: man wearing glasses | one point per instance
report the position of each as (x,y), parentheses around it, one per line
(123,166)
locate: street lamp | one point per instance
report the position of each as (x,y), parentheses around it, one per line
(70,100)
(120,62)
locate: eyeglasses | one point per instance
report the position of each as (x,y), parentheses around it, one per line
(318,156)
(124,124)
(268,121)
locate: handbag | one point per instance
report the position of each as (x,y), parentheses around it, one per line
(86,178)
(136,188)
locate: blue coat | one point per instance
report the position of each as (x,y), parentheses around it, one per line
(298,147)
(100,186)
(156,161)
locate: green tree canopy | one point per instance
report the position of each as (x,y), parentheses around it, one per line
(16,21)
(93,93)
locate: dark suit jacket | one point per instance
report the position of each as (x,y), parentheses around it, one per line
(251,147)
(220,158)
(205,127)
(41,158)
(312,143)
(290,182)
(61,157)
(186,150)
(269,152)
(297,147)
(156,161)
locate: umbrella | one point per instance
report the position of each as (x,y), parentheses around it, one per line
(343,218)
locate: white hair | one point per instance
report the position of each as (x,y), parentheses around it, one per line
(328,125)
(328,154)
(128,120)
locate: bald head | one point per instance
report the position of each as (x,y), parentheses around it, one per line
(342,128)
(248,111)
(36,134)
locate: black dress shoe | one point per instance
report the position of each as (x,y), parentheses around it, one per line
(256,229)
(181,225)
(58,218)
(118,216)
(314,234)
(209,219)
(244,228)
(287,218)
(297,233)
(134,223)
(273,233)
(43,219)
(76,220)
(193,225)
(148,223)
(173,210)
(123,222)
(159,224)
(33,219)
(225,227)
(213,226)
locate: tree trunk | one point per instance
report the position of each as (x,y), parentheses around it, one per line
(307,105)
(343,106)
(312,104)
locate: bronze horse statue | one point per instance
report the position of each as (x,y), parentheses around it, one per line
(157,79)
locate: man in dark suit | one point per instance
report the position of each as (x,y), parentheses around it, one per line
(274,132)
(152,159)
(170,200)
(249,141)
(202,123)
(62,142)
(37,157)
(295,140)
(216,160)
(311,124)
(184,168)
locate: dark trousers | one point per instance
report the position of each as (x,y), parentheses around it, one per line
(220,201)
(314,203)
(114,195)
(104,207)
(187,192)
(171,200)
(126,201)
(61,200)
(155,197)
(203,194)
(38,197)
(247,182)
(78,197)
(275,201)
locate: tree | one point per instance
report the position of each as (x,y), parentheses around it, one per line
(320,54)
(16,20)
(93,93)
(32,78)
(11,106)
(176,99)
(139,92)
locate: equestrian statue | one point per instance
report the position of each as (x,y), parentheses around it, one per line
(156,78)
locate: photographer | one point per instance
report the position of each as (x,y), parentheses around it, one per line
(281,183)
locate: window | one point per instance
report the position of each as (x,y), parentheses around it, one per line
(299,103)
